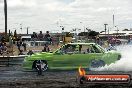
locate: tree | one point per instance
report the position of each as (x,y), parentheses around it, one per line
(125,30)
(68,34)
(93,33)
(83,34)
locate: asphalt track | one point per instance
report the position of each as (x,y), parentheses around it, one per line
(15,77)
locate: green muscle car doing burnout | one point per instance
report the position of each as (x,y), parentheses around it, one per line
(71,56)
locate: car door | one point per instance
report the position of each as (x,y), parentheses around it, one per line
(74,59)
(88,53)
(62,61)
(62,58)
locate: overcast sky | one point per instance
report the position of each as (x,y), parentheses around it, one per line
(50,14)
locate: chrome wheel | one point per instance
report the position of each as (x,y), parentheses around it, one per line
(40,65)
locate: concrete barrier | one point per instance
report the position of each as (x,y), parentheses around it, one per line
(11,60)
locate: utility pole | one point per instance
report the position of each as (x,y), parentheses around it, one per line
(27,29)
(21,28)
(5,12)
(84,28)
(88,30)
(105,27)
(113,20)
(117,31)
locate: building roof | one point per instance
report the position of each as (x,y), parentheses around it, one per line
(119,32)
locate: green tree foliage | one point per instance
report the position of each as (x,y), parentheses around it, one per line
(90,33)
(83,34)
(93,33)
(125,30)
(68,34)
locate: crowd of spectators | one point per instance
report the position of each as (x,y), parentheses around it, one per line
(21,45)
(41,36)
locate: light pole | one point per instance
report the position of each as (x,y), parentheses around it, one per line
(62,33)
(88,30)
(83,26)
(27,29)
(76,33)
(5,12)
(117,31)
(105,28)
(21,27)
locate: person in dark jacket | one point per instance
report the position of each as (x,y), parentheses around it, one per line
(46,48)
(24,46)
(21,52)
(30,52)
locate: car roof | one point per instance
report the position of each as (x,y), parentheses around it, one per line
(82,43)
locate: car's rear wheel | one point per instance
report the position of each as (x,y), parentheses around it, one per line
(43,64)
(97,63)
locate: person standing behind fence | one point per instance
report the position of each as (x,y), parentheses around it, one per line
(24,46)
(40,36)
(34,38)
(19,45)
(47,37)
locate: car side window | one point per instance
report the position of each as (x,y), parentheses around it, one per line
(70,49)
(86,49)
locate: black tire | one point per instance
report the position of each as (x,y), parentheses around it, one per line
(94,64)
(81,80)
(119,57)
(101,63)
(97,63)
(44,65)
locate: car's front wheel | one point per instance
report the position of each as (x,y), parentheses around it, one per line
(40,64)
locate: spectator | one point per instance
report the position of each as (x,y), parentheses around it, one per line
(30,52)
(1,51)
(40,36)
(47,36)
(19,45)
(34,36)
(24,46)
(46,48)
(2,48)
(2,39)
(21,52)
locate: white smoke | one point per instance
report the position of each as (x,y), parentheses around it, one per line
(124,64)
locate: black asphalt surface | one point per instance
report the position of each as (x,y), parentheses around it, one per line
(15,77)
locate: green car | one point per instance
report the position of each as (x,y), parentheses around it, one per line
(71,56)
